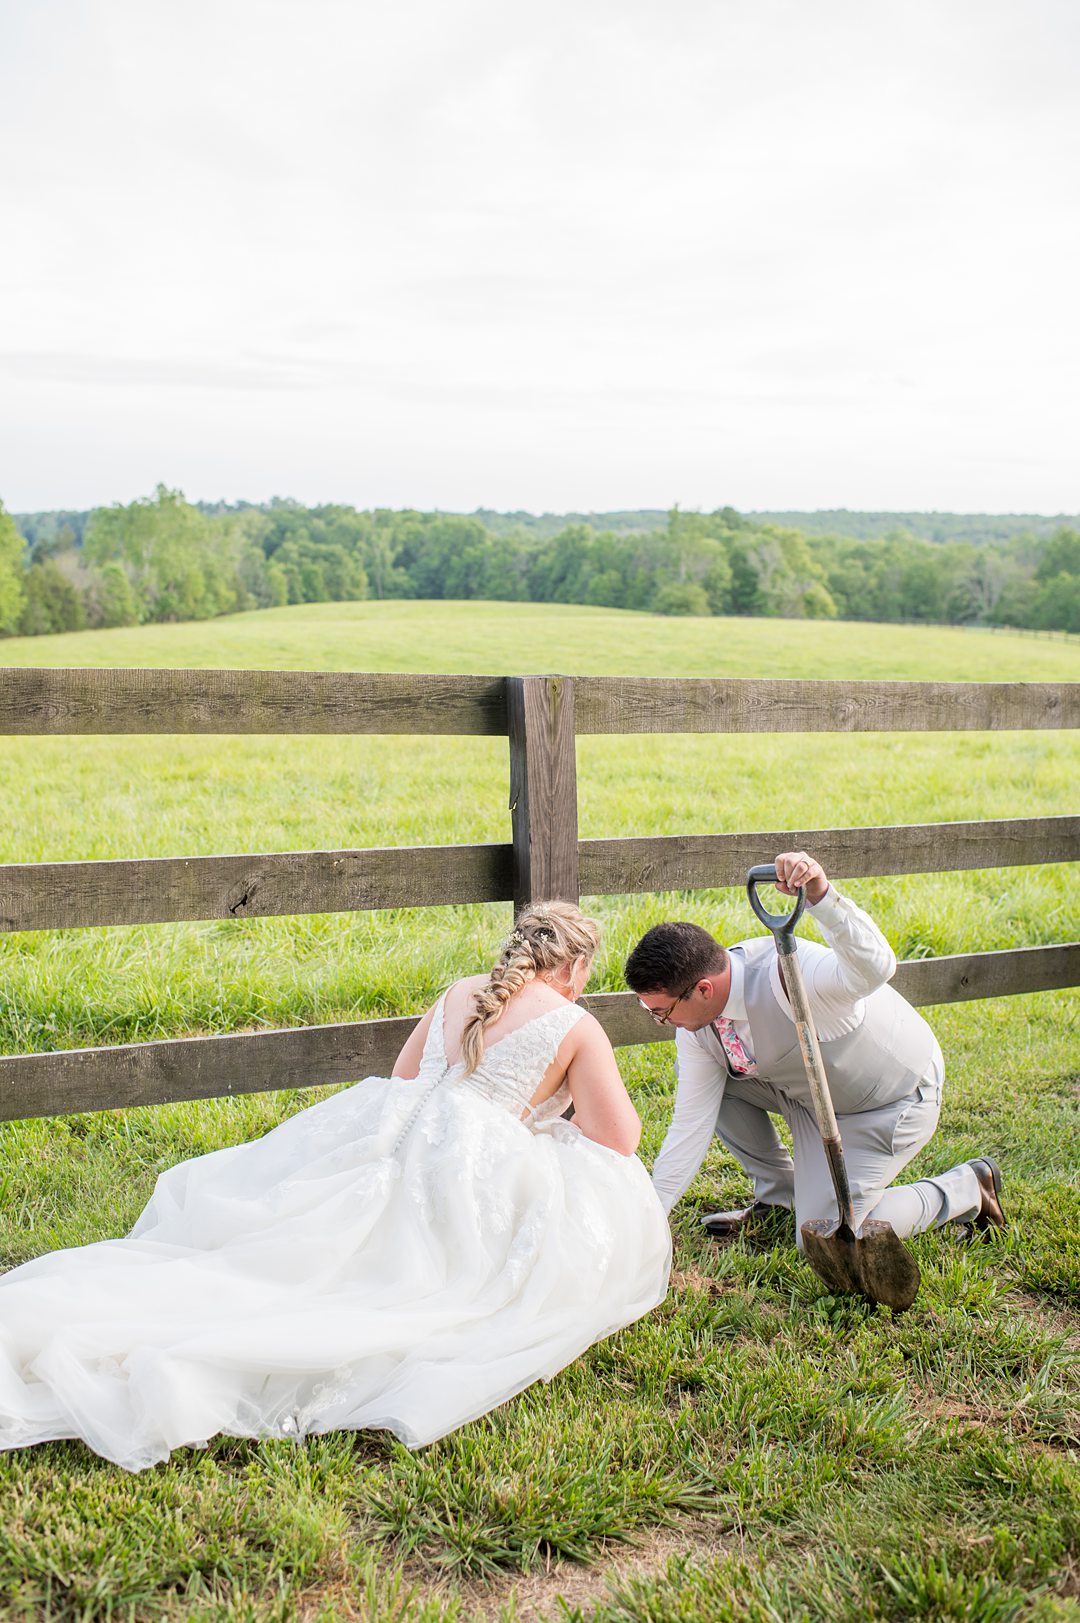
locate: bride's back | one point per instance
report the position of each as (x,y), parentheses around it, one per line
(546,956)
(561,1054)
(535,998)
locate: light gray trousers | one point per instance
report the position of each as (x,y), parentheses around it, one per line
(878,1144)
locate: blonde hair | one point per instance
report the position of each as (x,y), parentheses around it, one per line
(546,935)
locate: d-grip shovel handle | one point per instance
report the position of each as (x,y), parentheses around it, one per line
(782,926)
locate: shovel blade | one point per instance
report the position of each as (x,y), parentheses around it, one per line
(873,1263)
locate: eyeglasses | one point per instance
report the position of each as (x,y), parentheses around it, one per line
(662,1016)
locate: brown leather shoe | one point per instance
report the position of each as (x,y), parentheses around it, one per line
(726,1225)
(990,1215)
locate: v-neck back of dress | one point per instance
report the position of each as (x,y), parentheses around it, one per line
(512,1068)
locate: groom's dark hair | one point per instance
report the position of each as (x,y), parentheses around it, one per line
(672,956)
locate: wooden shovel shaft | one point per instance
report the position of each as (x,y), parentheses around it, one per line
(815,1075)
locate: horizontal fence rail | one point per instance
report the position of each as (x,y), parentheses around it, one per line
(541,717)
(44,701)
(711,861)
(630,704)
(158,890)
(179,1068)
(87,701)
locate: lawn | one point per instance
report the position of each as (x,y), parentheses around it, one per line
(754,1451)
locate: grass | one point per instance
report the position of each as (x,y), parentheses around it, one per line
(754,1451)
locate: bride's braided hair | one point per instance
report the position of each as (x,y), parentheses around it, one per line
(546,936)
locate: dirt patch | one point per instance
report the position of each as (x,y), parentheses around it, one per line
(1059,1321)
(536,1595)
(934,1407)
(692,1278)
(1069,1587)
(1015,1421)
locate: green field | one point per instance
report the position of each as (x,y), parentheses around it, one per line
(752,1452)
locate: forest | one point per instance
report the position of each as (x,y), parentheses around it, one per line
(162,558)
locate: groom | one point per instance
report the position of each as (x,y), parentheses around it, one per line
(738,1061)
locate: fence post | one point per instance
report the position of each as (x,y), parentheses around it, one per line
(543,788)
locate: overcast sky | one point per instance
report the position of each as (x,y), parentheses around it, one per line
(586,255)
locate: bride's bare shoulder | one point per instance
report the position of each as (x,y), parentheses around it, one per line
(460,991)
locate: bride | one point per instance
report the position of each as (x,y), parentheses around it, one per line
(407,1254)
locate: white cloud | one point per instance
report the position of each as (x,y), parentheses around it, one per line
(603,255)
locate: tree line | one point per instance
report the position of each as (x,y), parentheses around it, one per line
(161,558)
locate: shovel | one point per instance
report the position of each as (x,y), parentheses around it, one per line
(871,1262)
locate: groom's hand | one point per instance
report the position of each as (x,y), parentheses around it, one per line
(795,868)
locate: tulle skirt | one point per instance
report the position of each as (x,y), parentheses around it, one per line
(348,1270)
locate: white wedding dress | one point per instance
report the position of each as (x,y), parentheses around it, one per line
(404,1254)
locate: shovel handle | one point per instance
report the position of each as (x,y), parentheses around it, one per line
(815,1075)
(782,926)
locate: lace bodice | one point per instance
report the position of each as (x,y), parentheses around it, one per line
(513,1067)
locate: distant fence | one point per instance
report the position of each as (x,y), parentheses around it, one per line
(542,717)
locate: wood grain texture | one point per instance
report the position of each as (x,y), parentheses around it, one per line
(59,701)
(967,975)
(197,1068)
(543,788)
(709,861)
(66,895)
(210,1067)
(205,701)
(624,1020)
(63,895)
(633,704)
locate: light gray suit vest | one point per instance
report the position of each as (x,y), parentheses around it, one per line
(879,1062)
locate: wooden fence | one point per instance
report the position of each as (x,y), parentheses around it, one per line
(542,717)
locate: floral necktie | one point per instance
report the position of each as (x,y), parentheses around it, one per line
(732,1043)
